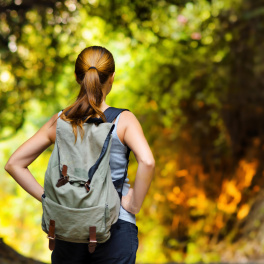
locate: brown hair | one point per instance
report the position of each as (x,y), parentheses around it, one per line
(91,81)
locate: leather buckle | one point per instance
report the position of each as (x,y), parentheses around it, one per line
(91,247)
(51,234)
(87,185)
(62,181)
(92,242)
(64,177)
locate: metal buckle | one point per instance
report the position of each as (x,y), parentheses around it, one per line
(52,238)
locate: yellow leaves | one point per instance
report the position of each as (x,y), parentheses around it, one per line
(169,168)
(256,188)
(176,196)
(208,228)
(177,256)
(28,29)
(176,190)
(151,243)
(152,105)
(167,131)
(175,222)
(231,190)
(5,76)
(194,253)
(199,201)
(219,221)
(205,14)
(181,173)
(159,198)
(6,80)
(243,211)
(246,172)
(229,198)
(32,16)
(34,39)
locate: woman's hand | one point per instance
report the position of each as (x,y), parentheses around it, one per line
(127,203)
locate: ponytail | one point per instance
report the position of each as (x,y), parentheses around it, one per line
(93,87)
(91,80)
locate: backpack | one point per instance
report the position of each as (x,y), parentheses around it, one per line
(80,201)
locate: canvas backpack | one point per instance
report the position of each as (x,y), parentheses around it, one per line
(80,201)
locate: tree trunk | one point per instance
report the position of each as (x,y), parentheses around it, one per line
(9,256)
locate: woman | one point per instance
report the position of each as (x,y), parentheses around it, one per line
(95,71)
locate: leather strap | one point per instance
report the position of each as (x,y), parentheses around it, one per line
(64,170)
(51,235)
(64,178)
(87,185)
(92,243)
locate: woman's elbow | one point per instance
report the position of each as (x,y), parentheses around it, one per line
(149,163)
(8,167)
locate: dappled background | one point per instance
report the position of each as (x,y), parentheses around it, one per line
(193,74)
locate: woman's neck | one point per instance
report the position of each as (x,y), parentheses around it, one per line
(103,107)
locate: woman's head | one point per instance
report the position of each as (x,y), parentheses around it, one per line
(94,78)
(95,83)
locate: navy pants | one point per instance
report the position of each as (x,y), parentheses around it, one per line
(121,248)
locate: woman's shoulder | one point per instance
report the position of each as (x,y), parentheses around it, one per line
(129,119)
(52,127)
(128,116)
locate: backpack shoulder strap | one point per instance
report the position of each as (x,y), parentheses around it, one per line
(112,112)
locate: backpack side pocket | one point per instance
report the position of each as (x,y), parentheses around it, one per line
(43,223)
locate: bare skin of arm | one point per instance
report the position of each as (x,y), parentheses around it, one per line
(134,138)
(27,153)
(130,133)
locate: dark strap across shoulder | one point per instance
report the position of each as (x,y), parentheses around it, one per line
(111,113)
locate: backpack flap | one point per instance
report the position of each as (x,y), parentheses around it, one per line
(84,154)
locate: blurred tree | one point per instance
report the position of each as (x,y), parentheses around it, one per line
(30,31)
(8,255)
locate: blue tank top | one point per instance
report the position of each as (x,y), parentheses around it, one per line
(118,164)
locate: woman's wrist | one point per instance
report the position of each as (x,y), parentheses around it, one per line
(133,208)
(128,202)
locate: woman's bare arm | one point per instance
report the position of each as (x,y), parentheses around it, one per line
(134,138)
(27,153)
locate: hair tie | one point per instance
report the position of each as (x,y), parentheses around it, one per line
(92,68)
